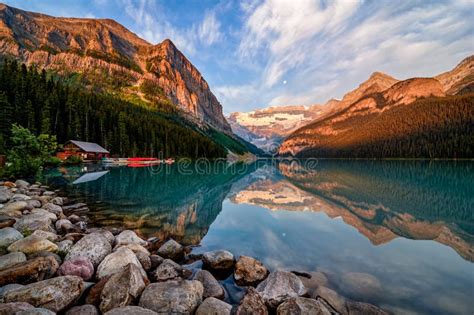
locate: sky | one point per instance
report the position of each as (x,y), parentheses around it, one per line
(256,54)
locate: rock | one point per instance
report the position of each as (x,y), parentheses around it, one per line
(93,296)
(77,266)
(43,199)
(32,244)
(317,279)
(134,248)
(130,310)
(218,260)
(169,270)
(212,287)
(66,226)
(122,289)
(54,294)
(8,288)
(14,209)
(33,270)
(156,260)
(33,222)
(33,203)
(116,261)
(107,234)
(44,253)
(14,307)
(87,309)
(9,236)
(36,311)
(172,250)
(22,183)
(6,221)
(53,208)
(57,201)
(249,271)
(9,184)
(252,303)
(360,284)
(144,260)
(53,237)
(45,213)
(129,237)
(94,246)
(172,296)
(74,218)
(213,306)
(65,246)
(49,193)
(336,301)
(280,286)
(74,237)
(5,195)
(20,197)
(359,308)
(302,306)
(11,259)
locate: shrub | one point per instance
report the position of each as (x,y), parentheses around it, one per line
(52,161)
(72,160)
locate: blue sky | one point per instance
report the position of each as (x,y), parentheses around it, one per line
(289,52)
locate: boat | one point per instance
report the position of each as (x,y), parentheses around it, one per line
(136,161)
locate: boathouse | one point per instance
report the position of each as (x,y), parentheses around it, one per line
(85,150)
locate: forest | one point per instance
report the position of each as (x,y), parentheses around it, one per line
(427,128)
(46,105)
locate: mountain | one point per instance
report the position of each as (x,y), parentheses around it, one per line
(418,117)
(104,55)
(266,128)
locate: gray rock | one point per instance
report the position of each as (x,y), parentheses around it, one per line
(36,269)
(6,221)
(336,301)
(33,203)
(169,270)
(252,303)
(50,236)
(32,244)
(22,183)
(11,259)
(57,201)
(213,306)
(14,307)
(65,246)
(212,287)
(218,260)
(20,197)
(49,193)
(129,237)
(130,310)
(36,311)
(54,294)
(172,250)
(14,209)
(45,213)
(280,286)
(33,222)
(249,271)
(172,296)
(134,247)
(51,207)
(94,246)
(7,288)
(9,236)
(144,259)
(116,261)
(5,195)
(87,309)
(359,308)
(122,289)
(156,260)
(107,234)
(302,306)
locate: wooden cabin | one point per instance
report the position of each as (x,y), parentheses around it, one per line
(85,150)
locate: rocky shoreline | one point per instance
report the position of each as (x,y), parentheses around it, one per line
(52,262)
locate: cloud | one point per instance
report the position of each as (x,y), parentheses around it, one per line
(209,30)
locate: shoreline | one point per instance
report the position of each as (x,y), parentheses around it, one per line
(52,261)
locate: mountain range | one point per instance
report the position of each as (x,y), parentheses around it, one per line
(298,130)
(104,57)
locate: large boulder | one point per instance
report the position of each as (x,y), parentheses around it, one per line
(94,246)
(249,271)
(172,250)
(116,261)
(11,259)
(280,286)
(130,310)
(32,244)
(54,294)
(46,214)
(252,303)
(213,306)
(14,307)
(129,237)
(77,266)
(86,309)
(212,287)
(302,306)
(218,260)
(181,297)
(65,246)
(33,270)
(122,289)
(33,222)
(8,236)
(14,209)
(169,270)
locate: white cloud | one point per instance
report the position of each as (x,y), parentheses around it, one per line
(209,30)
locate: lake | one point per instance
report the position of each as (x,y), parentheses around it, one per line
(399,234)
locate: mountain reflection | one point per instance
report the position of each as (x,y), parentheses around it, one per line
(381,199)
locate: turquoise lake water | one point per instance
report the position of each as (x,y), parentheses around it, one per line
(399,234)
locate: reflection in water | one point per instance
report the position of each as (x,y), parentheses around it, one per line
(377,229)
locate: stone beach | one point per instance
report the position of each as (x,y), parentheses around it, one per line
(52,261)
